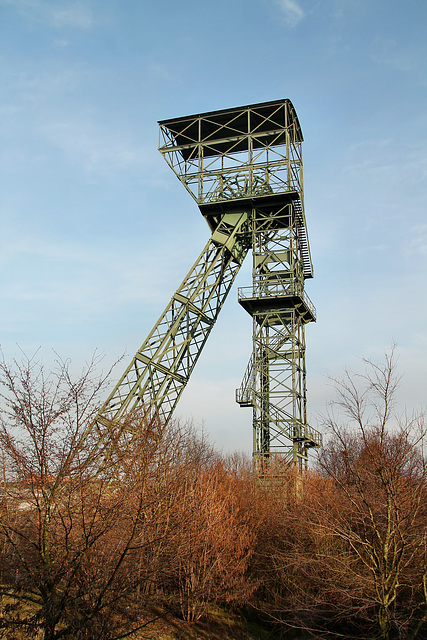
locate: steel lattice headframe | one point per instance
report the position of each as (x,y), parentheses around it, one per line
(243,166)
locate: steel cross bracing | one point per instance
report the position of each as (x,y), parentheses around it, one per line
(243,166)
(275,381)
(161,368)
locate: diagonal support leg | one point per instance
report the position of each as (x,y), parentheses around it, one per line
(160,370)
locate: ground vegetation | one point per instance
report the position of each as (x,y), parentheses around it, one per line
(138,528)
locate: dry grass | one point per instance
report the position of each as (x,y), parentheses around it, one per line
(219,624)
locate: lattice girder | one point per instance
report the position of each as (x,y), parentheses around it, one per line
(243,166)
(236,153)
(275,381)
(159,372)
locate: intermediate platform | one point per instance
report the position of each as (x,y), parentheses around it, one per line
(256,302)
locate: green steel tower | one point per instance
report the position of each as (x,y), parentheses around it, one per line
(243,166)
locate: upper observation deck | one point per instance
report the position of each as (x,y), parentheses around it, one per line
(234,154)
(241,158)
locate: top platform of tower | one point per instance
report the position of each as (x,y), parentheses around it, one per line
(241,159)
(234,130)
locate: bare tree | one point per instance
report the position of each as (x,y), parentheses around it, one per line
(215,540)
(77,513)
(347,552)
(376,462)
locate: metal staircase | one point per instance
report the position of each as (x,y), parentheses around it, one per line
(308,271)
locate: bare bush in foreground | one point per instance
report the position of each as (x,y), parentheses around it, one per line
(348,556)
(80,530)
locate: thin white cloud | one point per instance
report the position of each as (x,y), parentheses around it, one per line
(406,58)
(72,270)
(62,13)
(375,162)
(417,245)
(60,43)
(292,11)
(99,151)
(160,71)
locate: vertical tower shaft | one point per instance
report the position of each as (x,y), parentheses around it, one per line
(278,335)
(276,385)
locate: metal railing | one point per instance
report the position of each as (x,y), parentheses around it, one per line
(276,290)
(287,425)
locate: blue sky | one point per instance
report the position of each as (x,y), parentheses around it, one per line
(97,233)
